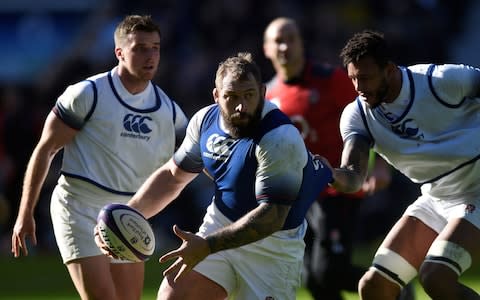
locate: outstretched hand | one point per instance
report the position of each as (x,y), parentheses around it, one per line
(193,250)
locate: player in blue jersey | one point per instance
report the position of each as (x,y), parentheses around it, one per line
(250,244)
(115,128)
(425,121)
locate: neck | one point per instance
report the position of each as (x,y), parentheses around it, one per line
(132,84)
(290,71)
(395,84)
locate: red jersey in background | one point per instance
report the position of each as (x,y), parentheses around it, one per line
(314,102)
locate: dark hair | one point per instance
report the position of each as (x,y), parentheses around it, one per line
(240,66)
(366,43)
(132,23)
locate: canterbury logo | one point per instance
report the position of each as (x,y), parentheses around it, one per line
(137,123)
(219,147)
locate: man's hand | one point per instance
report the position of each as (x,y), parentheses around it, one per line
(101,244)
(379,178)
(193,250)
(24,228)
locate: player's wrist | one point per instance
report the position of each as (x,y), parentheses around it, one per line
(211,244)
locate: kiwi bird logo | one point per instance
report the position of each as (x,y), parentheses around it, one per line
(137,123)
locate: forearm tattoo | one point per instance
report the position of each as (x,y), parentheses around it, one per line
(261,222)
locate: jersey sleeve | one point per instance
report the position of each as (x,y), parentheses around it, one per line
(188,156)
(181,123)
(453,83)
(281,156)
(74,105)
(351,122)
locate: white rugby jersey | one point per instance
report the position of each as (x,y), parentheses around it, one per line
(122,137)
(431,132)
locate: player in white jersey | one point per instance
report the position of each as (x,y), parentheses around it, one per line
(115,128)
(250,245)
(425,121)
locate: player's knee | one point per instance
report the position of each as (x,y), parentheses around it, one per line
(433,279)
(166,291)
(393,267)
(444,263)
(373,285)
(447,254)
(182,289)
(438,281)
(366,282)
(388,275)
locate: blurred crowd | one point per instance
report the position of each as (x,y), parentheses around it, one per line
(196,35)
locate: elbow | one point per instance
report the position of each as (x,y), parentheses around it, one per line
(269,218)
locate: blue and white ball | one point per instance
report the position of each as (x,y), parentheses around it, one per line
(126,232)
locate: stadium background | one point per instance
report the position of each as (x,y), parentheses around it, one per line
(48,44)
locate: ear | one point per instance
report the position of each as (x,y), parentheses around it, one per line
(390,68)
(216,95)
(263,90)
(119,54)
(265,50)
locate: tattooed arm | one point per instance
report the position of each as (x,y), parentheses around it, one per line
(259,223)
(278,179)
(354,166)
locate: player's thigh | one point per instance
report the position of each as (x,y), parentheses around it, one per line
(192,285)
(463,233)
(411,239)
(91,276)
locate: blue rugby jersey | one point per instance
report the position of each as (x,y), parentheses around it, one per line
(272,166)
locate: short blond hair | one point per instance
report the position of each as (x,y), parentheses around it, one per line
(239,66)
(133,23)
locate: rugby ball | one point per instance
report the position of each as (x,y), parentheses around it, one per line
(126,232)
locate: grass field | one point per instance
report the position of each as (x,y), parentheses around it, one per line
(44,277)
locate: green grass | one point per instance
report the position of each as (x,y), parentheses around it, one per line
(43,277)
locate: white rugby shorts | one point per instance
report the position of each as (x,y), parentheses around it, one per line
(437,212)
(74,208)
(270,267)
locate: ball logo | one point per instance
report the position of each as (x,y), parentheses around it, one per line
(137,123)
(147,240)
(126,232)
